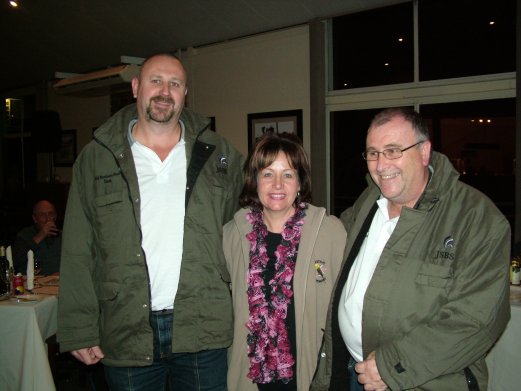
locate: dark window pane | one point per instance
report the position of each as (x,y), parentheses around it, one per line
(479,138)
(457,38)
(373,47)
(348,168)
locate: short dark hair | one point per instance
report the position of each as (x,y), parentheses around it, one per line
(39,202)
(263,154)
(408,114)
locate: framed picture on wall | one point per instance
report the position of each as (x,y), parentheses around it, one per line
(66,154)
(288,121)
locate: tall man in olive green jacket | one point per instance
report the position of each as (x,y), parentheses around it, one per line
(144,286)
(423,293)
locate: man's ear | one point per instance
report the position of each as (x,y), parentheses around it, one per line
(426,152)
(135,84)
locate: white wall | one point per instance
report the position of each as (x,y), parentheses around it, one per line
(267,72)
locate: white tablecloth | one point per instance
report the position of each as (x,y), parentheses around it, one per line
(24,327)
(504,360)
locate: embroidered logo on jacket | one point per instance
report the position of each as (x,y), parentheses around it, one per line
(447,253)
(222,165)
(448,242)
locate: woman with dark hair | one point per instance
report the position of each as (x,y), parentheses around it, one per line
(283,255)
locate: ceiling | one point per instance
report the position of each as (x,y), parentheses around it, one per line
(42,37)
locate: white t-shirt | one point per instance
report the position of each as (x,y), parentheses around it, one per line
(162,187)
(352,299)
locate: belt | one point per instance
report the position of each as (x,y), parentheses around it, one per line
(165,311)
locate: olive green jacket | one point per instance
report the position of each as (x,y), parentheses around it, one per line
(105,289)
(439,296)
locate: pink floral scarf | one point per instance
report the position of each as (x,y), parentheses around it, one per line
(269,348)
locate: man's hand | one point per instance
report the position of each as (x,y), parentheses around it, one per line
(88,356)
(368,374)
(49,229)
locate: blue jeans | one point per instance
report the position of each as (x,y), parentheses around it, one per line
(353,376)
(201,371)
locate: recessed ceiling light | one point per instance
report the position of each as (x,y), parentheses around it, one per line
(13,3)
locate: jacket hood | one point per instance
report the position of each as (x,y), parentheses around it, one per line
(443,177)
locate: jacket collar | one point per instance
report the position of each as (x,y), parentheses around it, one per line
(444,176)
(113,133)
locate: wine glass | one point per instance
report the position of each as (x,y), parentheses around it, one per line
(37,271)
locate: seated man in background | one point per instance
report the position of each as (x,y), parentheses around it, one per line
(43,237)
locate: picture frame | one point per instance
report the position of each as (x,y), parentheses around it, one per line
(66,154)
(286,121)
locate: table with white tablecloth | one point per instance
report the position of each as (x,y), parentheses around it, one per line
(504,360)
(24,327)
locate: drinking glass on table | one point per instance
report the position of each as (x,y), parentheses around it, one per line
(37,267)
(37,272)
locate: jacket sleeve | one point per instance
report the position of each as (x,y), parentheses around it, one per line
(232,246)
(467,324)
(232,204)
(78,305)
(336,236)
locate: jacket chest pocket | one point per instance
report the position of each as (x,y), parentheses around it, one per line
(108,203)
(108,191)
(436,276)
(112,218)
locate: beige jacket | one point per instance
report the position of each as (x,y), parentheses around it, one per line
(322,242)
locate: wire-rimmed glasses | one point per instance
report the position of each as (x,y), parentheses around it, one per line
(389,153)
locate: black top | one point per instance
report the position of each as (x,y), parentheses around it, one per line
(272,241)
